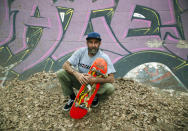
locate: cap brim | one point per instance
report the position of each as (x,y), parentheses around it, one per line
(93,38)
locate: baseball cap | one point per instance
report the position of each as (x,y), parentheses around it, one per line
(93,35)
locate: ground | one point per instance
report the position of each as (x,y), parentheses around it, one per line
(37,104)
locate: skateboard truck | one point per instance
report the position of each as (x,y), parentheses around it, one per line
(83,106)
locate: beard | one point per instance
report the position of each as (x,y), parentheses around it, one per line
(93,51)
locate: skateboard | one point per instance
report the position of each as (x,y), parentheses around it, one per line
(86,94)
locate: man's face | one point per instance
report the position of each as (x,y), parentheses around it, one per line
(93,46)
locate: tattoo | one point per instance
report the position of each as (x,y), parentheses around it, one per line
(68,68)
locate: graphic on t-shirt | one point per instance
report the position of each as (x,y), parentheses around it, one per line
(84,65)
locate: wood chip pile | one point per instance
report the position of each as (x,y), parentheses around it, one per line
(37,104)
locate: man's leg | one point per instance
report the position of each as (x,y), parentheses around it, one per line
(105,90)
(67,82)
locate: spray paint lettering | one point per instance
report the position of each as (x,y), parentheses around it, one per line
(43,34)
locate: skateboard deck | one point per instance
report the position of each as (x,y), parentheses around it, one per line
(86,94)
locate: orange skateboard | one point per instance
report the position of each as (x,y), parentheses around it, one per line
(86,94)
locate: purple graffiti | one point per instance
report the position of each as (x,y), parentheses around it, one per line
(74,37)
(6,26)
(109,41)
(55,43)
(123,14)
(51,35)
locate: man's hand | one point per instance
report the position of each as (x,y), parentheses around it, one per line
(84,78)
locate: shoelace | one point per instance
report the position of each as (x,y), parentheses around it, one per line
(70,101)
(95,99)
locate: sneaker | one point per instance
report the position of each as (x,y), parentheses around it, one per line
(68,105)
(95,102)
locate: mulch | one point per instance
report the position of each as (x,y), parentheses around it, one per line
(37,104)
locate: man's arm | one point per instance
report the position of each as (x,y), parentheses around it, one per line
(68,68)
(108,79)
(82,78)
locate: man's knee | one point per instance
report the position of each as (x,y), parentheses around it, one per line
(62,74)
(59,73)
(110,88)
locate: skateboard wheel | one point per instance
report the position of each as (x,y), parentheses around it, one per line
(89,87)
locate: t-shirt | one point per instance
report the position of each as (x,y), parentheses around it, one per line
(83,61)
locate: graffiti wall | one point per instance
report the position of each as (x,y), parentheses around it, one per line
(40,35)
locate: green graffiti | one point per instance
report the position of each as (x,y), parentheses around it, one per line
(48,65)
(106,13)
(54,1)
(33,33)
(150,15)
(68,12)
(178,11)
(153,16)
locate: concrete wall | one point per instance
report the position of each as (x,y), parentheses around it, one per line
(39,35)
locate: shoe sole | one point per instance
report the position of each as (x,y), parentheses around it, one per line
(95,105)
(66,109)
